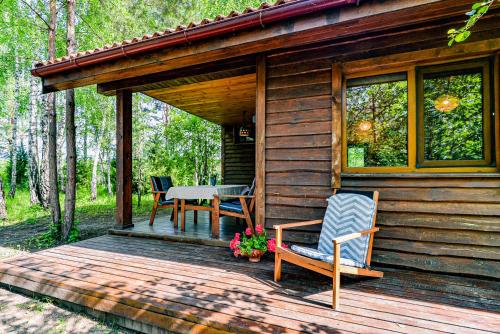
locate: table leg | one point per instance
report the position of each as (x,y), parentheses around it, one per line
(183,215)
(210,204)
(215,218)
(176,212)
(195,214)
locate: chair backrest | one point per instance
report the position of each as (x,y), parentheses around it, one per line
(252,188)
(161,183)
(349,212)
(369,194)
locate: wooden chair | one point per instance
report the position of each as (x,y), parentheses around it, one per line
(346,240)
(159,188)
(240,206)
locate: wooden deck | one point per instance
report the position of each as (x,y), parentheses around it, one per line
(198,233)
(186,288)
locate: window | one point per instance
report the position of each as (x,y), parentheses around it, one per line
(436,118)
(454,115)
(377,121)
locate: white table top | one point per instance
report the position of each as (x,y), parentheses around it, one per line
(203,192)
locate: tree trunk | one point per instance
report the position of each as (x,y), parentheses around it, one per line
(93,186)
(33,175)
(110,186)
(44,164)
(13,148)
(55,207)
(3,209)
(85,146)
(139,183)
(70,198)
(166,112)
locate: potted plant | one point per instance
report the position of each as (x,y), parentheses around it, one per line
(253,245)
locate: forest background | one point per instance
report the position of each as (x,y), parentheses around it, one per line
(167,141)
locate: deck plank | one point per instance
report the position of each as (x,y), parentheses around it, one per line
(202,289)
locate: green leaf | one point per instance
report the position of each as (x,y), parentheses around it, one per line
(462,36)
(477,5)
(452,31)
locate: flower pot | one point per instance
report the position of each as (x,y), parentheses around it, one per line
(255,256)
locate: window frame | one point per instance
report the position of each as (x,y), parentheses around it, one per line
(410,77)
(411,70)
(485,65)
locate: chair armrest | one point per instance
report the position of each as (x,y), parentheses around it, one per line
(298,224)
(351,236)
(159,192)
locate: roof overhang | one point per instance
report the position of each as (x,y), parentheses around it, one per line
(320,24)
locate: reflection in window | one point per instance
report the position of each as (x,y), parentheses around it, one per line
(453,116)
(377,121)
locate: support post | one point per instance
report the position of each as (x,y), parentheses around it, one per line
(336,125)
(124,159)
(260,143)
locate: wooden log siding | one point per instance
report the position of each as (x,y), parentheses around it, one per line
(238,163)
(298,142)
(448,223)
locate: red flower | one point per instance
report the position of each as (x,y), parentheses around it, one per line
(234,244)
(271,245)
(248,231)
(259,229)
(236,236)
(237,252)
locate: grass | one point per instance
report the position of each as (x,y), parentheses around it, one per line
(19,209)
(30,228)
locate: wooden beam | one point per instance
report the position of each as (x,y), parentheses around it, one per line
(188,75)
(124,159)
(260,142)
(349,22)
(423,57)
(336,125)
(496,118)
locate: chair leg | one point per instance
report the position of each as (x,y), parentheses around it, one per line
(336,276)
(277,267)
(172,216)
(153,215)
(195,214)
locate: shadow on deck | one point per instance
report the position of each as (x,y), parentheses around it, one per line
(199,233)
(186,288)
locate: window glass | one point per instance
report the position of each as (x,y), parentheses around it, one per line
(453,115)
(377,121)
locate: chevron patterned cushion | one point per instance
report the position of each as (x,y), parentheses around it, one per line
(317,255)
(347,213)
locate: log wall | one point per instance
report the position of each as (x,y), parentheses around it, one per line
(238,160)
(298,141)
(443,223)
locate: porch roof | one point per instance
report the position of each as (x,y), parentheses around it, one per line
(249,18)
(287,24)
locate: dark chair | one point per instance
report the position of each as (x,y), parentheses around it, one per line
(240,206)
(159,188)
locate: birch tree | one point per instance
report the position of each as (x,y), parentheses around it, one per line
(55,207)
(95,164)
(3,209)
(33,172)
(70,198)
(14,119)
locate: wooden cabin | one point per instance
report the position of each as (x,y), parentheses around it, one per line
(300,76)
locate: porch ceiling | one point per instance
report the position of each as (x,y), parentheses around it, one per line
(222,101)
